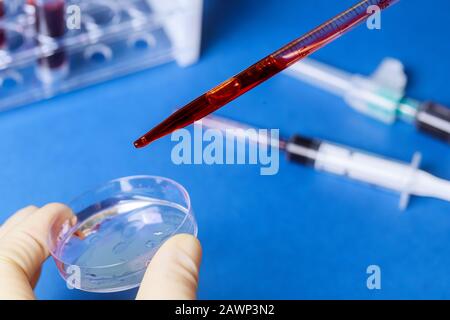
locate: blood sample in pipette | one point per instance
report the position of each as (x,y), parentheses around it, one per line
(263,70)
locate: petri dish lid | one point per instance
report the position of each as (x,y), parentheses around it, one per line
(116,230)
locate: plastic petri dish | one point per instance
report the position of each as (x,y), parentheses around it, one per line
(116,230)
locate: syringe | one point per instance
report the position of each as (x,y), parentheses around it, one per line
(381,96)
(394,175)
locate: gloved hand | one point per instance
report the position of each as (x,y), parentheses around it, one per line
(172,273)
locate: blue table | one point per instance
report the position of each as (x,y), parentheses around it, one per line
(298,234)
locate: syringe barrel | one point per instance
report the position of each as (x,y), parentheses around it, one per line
(354,164)
(302,150)
(322,76)
(363,94)
(434,119)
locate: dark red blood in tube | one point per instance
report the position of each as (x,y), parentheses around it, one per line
(50,18)
(2,30)
(50,22)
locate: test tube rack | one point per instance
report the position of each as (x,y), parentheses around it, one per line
(108,39)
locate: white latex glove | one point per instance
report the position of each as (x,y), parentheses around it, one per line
(172,273)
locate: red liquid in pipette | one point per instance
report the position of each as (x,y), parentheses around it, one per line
(263,70)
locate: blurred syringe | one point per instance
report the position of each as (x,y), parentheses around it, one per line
(381,96)
(404,178)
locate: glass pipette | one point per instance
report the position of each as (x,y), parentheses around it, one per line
(264,69)
(394,175)
(381,96)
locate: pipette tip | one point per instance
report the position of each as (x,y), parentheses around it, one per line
(158,132)
(142,142)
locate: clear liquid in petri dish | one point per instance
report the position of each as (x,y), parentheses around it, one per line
(112,247)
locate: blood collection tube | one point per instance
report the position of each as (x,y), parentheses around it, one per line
(51,28)
(2,29)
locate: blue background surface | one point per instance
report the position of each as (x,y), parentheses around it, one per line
(298,234)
